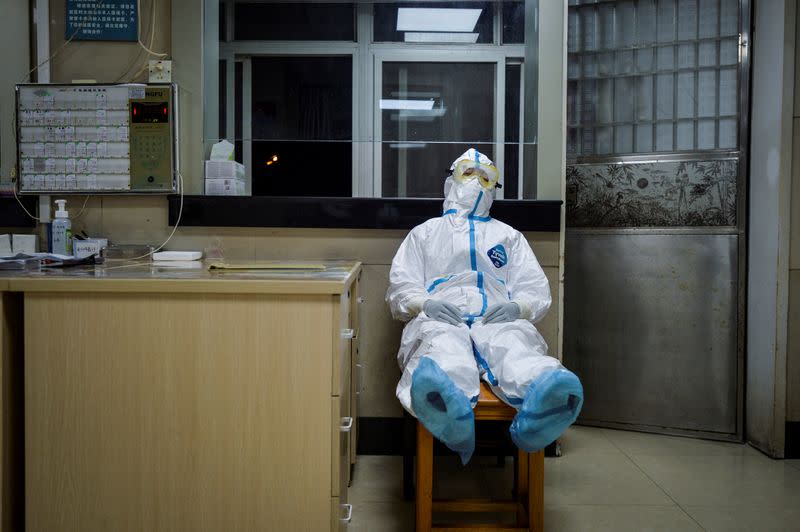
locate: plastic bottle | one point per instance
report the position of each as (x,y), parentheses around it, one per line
(62,230)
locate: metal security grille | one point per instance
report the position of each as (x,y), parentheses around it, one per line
(650,76)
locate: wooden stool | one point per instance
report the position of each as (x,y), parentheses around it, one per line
(529,477)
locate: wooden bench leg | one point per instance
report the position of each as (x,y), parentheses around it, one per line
(424,495)
(536,491)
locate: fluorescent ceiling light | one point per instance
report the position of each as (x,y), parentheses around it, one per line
(411,105)
(416,36)
(407,145)
(436,19)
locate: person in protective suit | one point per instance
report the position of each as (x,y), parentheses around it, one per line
(471,289)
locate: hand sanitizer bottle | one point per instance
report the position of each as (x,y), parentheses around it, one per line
(62,230)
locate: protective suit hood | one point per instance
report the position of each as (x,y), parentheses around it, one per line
(468,199)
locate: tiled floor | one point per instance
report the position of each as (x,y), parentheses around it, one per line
(609,480)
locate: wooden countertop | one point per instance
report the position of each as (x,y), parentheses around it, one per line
(147,277)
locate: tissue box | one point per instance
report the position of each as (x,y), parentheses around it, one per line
(224,170)
(224,187)
(23,244)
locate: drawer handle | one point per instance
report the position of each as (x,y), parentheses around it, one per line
(347,424)
(348,334)
(349,509)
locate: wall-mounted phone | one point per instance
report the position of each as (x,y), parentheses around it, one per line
(97,138)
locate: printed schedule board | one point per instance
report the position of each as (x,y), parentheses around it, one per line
(102,20)
(96,138)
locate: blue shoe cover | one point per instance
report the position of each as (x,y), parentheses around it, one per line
(443,409)
(551,404)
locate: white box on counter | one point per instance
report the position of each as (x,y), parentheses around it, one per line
(225,187)
(224,170)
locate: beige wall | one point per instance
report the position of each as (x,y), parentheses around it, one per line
(139,219)
(107,61)
(14,35)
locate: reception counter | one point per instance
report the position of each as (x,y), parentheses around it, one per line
(181,399)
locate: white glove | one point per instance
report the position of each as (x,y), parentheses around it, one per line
(502,313)
(442,311)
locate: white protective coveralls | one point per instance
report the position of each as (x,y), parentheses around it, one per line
(473,261)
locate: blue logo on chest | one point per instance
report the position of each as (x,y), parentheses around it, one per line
(498,256)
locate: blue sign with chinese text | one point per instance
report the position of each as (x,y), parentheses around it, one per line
(102,20)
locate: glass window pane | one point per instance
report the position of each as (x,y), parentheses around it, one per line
(664,95)
(302,120)
(727,133)
(644,98)
(294,22)
(623,142)
(513,22)
(605,101)
(573,32)
(624,23)
(644,138)
(587,141)
(727,91)
(706,132)
(729,17)
(625,62)
(623,101)
(707,99)
(434,22)
(644,60)
(687,19)
(431,113)
(510,179)
(685,135)
(728,52)
(708,53)
(605,64)
(588,24)
(665,58)
(588,99)
(709,15)
(574,66)
(223,98)
(645,21)
(604,139)
(686,95)
(666,21)
(605,25)
(664,136)
(238,109)
(686,56)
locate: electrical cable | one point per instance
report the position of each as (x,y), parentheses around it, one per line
(175,228)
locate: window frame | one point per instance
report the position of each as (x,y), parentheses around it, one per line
(367,58)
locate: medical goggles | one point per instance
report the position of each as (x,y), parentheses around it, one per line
(486,174)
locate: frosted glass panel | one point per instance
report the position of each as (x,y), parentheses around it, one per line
(728,51)
(685,135)
(727,91)
(623,103)
(686,56)
(655,75)
(624,139)
(604,138)
(708,53)
(727,133)
(644,98)
(687,19)
(664,136)
(664,95)
(644,138)
(706,132)
(665,58)
(666,21)
(686,94)
(707,88)
(605,101)
(709,14)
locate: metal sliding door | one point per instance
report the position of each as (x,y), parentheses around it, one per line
(655,241)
